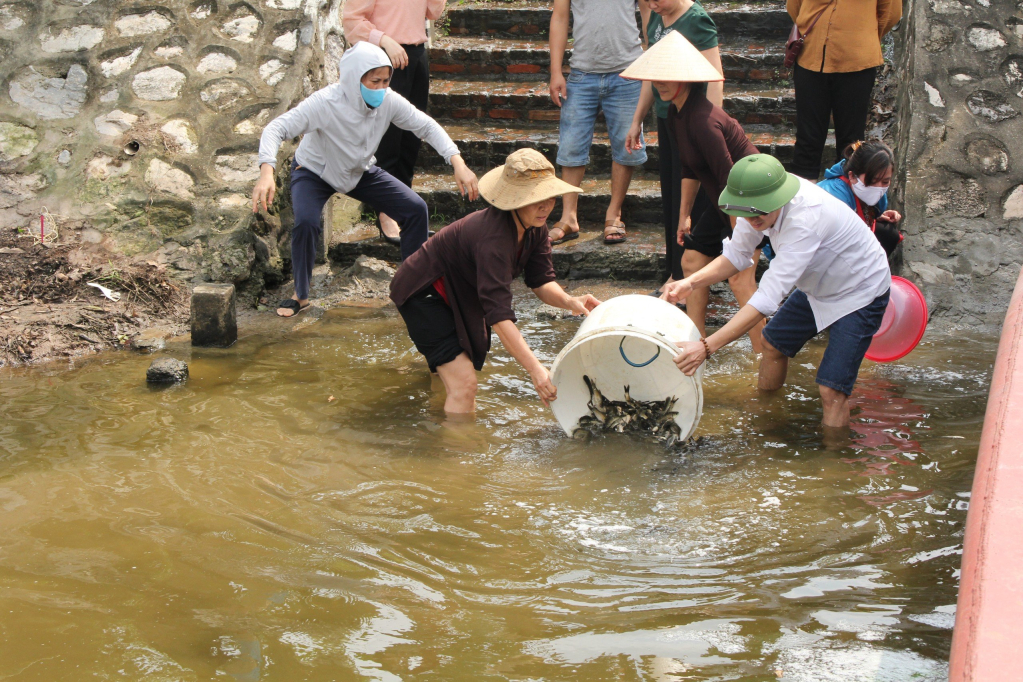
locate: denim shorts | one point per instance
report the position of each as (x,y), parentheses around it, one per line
(849,337)
(589,93)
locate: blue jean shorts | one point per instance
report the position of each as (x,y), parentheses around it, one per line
(589,93)
(849,337)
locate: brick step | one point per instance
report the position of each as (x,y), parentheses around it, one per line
(639,258)
(484,146)
(642,205)
(766,19)
(452,57)
(507,101)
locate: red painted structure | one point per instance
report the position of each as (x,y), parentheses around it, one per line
(988,640)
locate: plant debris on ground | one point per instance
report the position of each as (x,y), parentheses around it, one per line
(47,309)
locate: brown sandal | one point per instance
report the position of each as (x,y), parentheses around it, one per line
(614,232)
(566,235)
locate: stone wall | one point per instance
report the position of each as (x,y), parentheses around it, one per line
(145,119)
(960,154)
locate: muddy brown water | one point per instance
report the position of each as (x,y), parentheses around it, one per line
(301,510)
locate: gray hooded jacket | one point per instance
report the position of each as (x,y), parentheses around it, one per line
(341,131)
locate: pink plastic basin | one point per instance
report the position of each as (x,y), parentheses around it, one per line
(905,320)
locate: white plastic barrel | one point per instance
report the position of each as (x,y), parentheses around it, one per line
(628,341)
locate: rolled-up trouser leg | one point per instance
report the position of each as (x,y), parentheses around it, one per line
(309,193)
(386,194)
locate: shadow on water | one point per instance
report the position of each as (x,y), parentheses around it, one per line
(301,509)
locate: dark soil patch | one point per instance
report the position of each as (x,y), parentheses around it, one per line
(47,309)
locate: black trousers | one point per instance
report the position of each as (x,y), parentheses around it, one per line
(670,168)
(819,97)
(378,189)
(399,148)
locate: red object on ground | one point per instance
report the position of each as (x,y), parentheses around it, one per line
(903,325)
(988,638)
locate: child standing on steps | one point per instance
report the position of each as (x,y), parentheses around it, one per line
(397,27)
(343,124)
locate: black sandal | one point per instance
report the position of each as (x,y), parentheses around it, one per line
(292,305)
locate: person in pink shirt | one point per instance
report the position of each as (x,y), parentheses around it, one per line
(399,27)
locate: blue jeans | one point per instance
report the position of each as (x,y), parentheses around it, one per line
(849,337)
(378,188)
(587,94)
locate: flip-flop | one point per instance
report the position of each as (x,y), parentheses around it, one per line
(614,232)
(566,235)
(292,305)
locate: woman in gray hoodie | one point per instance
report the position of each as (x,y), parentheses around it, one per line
(342,126)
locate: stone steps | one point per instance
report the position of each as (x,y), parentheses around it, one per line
(514,103)
(765,19)
(642,205)
(465,58)
(484,145)
(640,258)
(489,91)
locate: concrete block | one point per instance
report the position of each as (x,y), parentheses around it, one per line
(214,321)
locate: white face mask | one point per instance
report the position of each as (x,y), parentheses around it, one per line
(868,195)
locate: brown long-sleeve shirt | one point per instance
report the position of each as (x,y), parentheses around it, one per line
(709,143)
(478,257)
(848,35)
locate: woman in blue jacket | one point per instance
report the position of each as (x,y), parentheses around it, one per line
(861,180)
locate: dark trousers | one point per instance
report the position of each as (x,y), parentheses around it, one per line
(819,97)
(671,199)
(399,148)
(377,188)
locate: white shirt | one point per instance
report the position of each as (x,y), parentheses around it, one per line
(341,131)
(823,248)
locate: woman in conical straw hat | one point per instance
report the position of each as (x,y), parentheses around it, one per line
(457,286)
(691,20)
(709,142)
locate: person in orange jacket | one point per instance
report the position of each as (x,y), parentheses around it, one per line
(834,75)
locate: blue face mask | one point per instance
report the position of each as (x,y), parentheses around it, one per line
(373,98)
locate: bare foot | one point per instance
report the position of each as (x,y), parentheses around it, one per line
(388,225)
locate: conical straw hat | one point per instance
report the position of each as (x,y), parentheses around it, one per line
(525,178)
(673,59)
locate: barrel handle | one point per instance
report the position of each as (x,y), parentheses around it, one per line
(630,362)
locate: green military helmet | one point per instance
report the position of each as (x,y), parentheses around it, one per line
(757,185)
